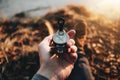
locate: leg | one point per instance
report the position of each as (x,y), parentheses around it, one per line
(81,69)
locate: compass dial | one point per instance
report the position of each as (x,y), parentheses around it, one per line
(60,38)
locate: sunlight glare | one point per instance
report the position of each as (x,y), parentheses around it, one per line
(110,8)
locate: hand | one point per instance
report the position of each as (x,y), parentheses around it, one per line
(56,67)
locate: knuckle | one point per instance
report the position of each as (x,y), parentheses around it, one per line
(74,48)
(72,41)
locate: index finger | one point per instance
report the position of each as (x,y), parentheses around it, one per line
(71,33)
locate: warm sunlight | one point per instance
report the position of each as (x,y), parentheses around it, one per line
(108,7)
(107,3)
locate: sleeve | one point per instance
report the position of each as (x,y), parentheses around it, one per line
(39,77)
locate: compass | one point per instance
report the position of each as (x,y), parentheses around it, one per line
(60,38)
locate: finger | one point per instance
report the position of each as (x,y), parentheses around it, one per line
(45,44)
(73,49)
(71,33)
(44,48)
(73,57)
(73,54)
(70,42)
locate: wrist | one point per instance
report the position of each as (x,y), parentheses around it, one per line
(47,73)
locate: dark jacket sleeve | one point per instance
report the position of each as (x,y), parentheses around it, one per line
(39,77)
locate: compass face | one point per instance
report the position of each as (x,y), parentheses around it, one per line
(60,37)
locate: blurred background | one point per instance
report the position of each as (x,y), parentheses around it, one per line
(24,23)
(8,8)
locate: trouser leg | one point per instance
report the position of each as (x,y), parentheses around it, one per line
(81,69)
